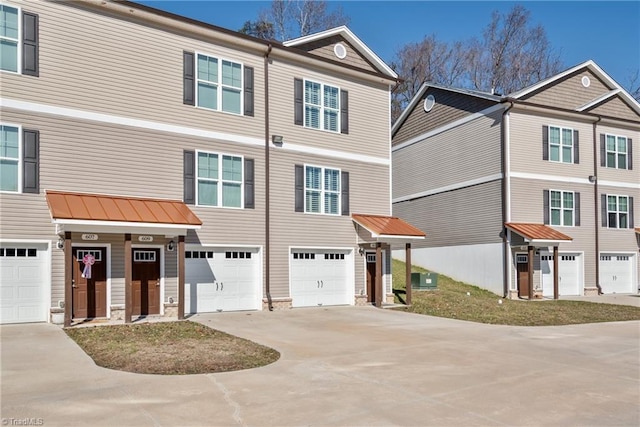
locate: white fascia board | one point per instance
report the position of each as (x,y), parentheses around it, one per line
(598,100)
(540,242)
(451,187)
(409,108)
(352,38)
(111,227)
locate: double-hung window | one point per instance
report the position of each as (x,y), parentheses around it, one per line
(561,208)
(560,144)
(220,179)
(321,106)
(9,38)
(219,85)
(9,158)
(322,190)
(616,152)
(617,211)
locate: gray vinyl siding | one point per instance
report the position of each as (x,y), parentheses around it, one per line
(617,108)
(125,69)
(466,152)
(449,107)
(570,93)
(324,48)
(368,120)
(467,216)
(526,146)
(289,228)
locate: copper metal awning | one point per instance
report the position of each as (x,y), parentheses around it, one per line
(391,227)
(538,233)
(97,212)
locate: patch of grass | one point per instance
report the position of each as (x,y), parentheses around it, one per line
(170,348)
(450,300)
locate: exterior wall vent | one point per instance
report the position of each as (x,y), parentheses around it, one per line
(586,81)
(340,50)
(429,102)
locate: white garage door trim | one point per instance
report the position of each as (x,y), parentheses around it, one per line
(305,293)
(547,278)
(608,283)
(44,250)
(256,302)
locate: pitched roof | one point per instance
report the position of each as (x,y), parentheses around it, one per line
(353,39)
(96,207)
(387,226)
(537,232)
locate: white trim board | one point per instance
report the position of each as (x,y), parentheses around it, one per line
(456,186)
(573,180)
(33,107)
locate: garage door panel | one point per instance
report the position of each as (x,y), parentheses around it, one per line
(569,281)
(616,273)
(320,277)
(223,279)
(23,286)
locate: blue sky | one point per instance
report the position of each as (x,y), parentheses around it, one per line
(607,32)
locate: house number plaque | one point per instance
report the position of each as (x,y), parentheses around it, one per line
(145,238)
(89,237)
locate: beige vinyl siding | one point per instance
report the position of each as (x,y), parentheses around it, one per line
(616,108)
(467,216)
(526,146)
(620,175)
(99,63)
(369,193)
(449,107)
(569,93)
(324,49)
(368,120)
(527,203)
(466,152)
(615,239)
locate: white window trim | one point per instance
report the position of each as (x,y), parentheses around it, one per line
(617,211)
(562,208)
(20,159)
(220,180)
(322,107)
(322,190)
(19,56)
(616,152)
(560,145)
(219,84)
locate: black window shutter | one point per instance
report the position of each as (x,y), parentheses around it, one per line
(576,147)
(298,94)
(189,171)
(603,210)
(603,151)
(31,161)
(30,52)
(576,208)
(629,154)
(248,91)
(545,202)
(631,212)
(299,183)
(188,70)
(344,193)
(545,142)
(344,111)
(249,184)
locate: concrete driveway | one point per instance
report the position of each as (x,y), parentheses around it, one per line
(344,366)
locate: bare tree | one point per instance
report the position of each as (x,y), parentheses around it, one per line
(510,55)
(288,19)
(633,85)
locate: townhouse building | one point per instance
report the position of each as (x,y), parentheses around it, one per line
(528,195)
(153,164)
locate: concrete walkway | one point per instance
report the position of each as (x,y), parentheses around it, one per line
(620,299)
(344,366)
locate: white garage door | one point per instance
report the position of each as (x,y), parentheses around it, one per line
(320,277)
(222,279)
(569,280)
(616,273)
(24,278)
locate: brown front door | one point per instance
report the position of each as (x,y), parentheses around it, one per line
(371,278)
(145,281)
(522,265)
(89,293)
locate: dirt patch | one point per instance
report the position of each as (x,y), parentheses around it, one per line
(170,348)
